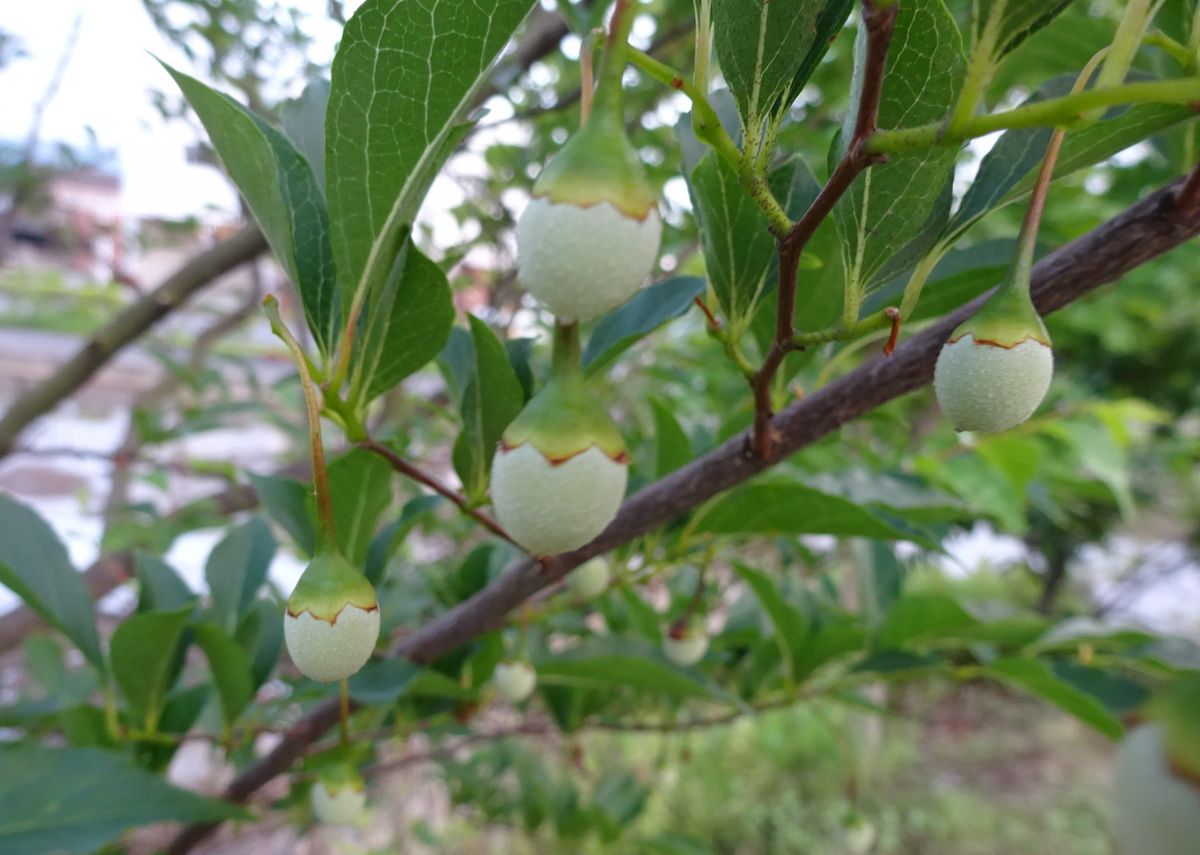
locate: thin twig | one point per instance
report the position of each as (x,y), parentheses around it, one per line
(419,475)
(880,23)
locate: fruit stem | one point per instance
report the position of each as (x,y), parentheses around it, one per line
(566,358)
(1027,240)
(326,538)
(344,720)
(612,63)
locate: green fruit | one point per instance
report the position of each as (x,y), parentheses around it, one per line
(559,475)
(996,367)
(515,681)
(332,619)
(590,579)
(340,796)
(590,234)
(686,646)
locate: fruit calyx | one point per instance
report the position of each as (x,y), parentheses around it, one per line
(1006,320)
(564,420)
(328,585)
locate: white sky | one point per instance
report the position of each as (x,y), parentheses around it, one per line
(107,87)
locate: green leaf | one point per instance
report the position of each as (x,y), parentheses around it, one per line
(1038,678)
(641,615)
(793,509)
(231,669)
(382,681)
(1017,21)
(159,587)
(890,203)
(960,276)
(791,629)
(403,77)
(360,484)
(762,45)
(645,312)
(625,662)
(282,191)
(407,323)
(491,398)
(739,250)
(237,568)
(289,504)
(917,618)
(384,544)
(829,23)
(672,447)
(261,635)
(303,121)
(142,651)
(77,800)
(35,566)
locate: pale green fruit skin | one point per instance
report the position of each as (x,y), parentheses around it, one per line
(858,836)
(330,651)
(514,681)
(580,262)
(988,388)
(590,579)
(687,650)
(344,805)
(549,508)
(1157,812)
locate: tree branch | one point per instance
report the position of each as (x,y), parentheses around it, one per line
(127,327)
(1143,232)
(880,22)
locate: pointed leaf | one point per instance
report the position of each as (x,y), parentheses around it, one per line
(237,568)
(289,504)
(231,669)
(645,312)
(360,484)
(35,566)
(791,629)
(142,650)
(1038,678)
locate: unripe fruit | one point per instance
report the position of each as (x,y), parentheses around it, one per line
(332,619)
(1157,809)
(590,234)
(590,579)
(685,646)
(339,797)
(514,680)
(559,475)
(1158,776)
(996,367)
(858,835)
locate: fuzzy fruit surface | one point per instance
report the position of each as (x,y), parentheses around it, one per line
(686,650)
(339,797)
(514,681)
(332,620)
(590,579)
(590,234)
(1157,810)
(984,387)
(560,473)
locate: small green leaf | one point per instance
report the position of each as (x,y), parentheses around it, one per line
(1038,678)
(830,21)
(35,566)
(289,504)
(791,629)
(672,446)
(642,616)
(382,681)
(75,801)
(403,76)
(890,203)
(917,618)
(1017,21)
(645,312)
(491,398)
(231,669)
(793,509)
(384,544)
(142,651)
(407,322)
(762,45)
(282,191)
(160,588)
(237,568)
(261,635)
(360,484)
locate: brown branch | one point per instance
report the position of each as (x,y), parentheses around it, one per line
(1145,231)
(1188,197)
(419,475)
(880,23)
(131,323)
